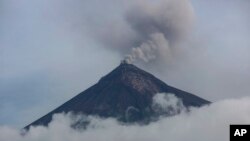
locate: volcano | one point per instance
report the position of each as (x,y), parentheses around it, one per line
(125,88)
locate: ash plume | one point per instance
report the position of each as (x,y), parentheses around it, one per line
(157,27)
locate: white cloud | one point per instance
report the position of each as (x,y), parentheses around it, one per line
(209,123)
(167,104)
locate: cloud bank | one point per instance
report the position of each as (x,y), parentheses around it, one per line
(206,123)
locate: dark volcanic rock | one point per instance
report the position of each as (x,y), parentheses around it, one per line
(125,93)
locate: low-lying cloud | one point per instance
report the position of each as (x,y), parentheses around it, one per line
(209,123)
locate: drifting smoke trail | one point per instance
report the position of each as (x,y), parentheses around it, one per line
(159,26)
(149,49)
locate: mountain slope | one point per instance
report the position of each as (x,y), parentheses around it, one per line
(125,89)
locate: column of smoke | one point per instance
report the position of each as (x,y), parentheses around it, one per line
(158,25)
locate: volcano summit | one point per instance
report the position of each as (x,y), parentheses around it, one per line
(126,93)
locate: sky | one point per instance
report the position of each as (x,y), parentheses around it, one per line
(51,50)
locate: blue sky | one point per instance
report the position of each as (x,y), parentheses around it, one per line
(49,53)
